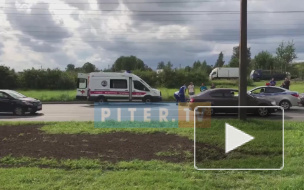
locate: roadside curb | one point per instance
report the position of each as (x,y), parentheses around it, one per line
(71,102)
(78,102)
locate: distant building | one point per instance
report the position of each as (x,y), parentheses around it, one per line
(159,71)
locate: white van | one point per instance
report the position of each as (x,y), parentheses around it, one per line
(224,72)
(105,86)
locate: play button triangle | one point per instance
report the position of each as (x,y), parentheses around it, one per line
(235,138)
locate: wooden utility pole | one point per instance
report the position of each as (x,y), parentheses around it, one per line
(243,62)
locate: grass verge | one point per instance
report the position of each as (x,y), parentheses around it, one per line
(69,95)
(91,174)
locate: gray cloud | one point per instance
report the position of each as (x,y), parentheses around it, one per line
(38,46)
(1,48)
(39,30)
(80,4)
(108,5)
(180,38)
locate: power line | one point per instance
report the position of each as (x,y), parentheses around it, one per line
(153,32)
(214,22)
(155,40)
(179,42)
(165,13)
(151,2)
(209,20)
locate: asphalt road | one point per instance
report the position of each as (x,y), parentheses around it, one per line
(85,112)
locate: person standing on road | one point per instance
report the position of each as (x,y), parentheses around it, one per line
(181,93)
(176,97)
(191,90)
(286,83)
(272,82)
(203,87)
(212,86)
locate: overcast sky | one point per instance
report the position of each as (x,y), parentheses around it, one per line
(51,35)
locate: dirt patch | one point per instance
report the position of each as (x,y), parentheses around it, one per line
(29,141)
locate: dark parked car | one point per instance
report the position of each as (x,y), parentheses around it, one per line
(12,101)
(226,97)
(302,99)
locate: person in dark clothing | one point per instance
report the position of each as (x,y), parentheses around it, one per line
(272,82)
(286,83)
(181,93)
(212,86)
(176,97)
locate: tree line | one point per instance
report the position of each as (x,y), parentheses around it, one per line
(169,77)
(67,79)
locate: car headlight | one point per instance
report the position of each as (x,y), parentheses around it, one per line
(27,103)
(273,103)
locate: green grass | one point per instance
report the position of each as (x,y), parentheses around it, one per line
(93,174)
(270,142)
(50,95)
(69,95)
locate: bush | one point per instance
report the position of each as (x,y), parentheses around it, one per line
(149,76)
(47,79)
(176,78)
(250,82)
(8,78)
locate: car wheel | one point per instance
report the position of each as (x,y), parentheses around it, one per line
(209,111)
(285,104)
(263,112)
(19,111)
(147,99)
(101,100)
(33,112)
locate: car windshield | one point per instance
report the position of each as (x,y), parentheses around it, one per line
(15,94)
(142,81)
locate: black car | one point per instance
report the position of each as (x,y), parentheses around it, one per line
(12,101)
(226,97)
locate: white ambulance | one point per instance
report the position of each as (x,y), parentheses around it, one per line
(106,86)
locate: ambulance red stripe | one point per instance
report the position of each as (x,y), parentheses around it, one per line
(117,93)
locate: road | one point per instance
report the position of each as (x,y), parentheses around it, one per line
(85,112)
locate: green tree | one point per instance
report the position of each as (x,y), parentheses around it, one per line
(70,67)
(196,65)
(8,78)
(129,63)
(205,68)
(47,79)
(169,66)
(148,76)
(286,53)
(220,60)
(234,61)
(89,67)
(188,69)
(161,65)
(263,60)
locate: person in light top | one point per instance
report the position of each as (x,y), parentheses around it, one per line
(191,90)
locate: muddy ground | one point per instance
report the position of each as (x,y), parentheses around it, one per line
(30,141)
